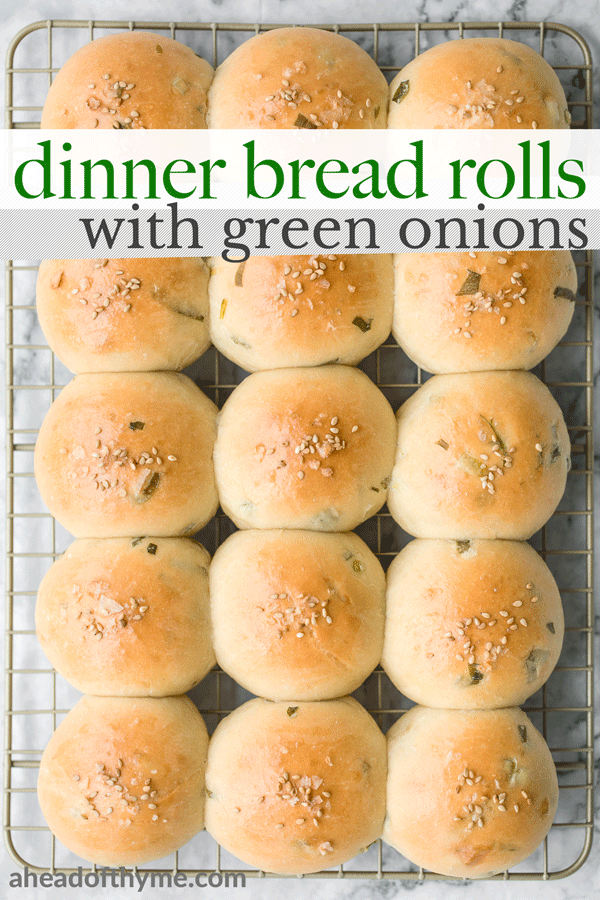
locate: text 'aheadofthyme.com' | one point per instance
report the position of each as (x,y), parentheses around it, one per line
(118,879)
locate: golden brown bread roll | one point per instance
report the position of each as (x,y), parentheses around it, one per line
(296,788)
(133,79)
(127,454)
(124,315)
(471,624)
(469,312)
(480,455)
(298,78)
(297,613)
(122,779)
(304,448)
(478,83)
(277,311)
(128,617)
(470,792)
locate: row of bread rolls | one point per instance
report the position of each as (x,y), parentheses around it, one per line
(449,312)
(294,789)
(303,615)
(302,78)
(476,455)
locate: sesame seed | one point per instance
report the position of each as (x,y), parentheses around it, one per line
(539,448)
(499,70)
(534,124)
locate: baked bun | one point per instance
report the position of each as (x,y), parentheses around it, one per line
(128,618)
(470,793)
(294,789)
(480,455)
(270,588)
(272,473)
(471,624)
(122,779)
(134,79)
(478,83)
(124,315)
(298,78)
(125,454)
(469,312)
(333,309)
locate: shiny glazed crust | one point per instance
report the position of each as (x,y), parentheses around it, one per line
(478,83)
(122,779)
(471,624)
(267,475)
(455,433)
(128,617)
(276,311)
(465,312)
(297,613)
(450,770)
(259,811)
(124,315)
(134,79)
(298,77)
(127,454)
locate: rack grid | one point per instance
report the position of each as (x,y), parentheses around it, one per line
(562,710)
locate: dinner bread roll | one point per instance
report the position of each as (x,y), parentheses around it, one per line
(471,624)
(480,455)
(478,83)
(466,312)
(297,614)
(128,618)
(124,315)
(133,79)
(276,311)
(127,454)
(296,788)
(304,448)
(470,793)
(298,78)
(122,780)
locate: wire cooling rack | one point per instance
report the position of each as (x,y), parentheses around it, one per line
(37,698)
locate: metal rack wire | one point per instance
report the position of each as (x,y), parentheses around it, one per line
(36,697)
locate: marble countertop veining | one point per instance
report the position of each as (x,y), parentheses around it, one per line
(584,17)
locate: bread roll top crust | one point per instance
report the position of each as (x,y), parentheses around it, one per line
(124,315)
(470,792)
(298,78)
(122,780)
(296,613)
(124,454)
(133,79)
(128,617)
(296,787)
(478,83)
(471,624)
(277,311)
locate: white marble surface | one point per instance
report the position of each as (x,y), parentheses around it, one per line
(583,16)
